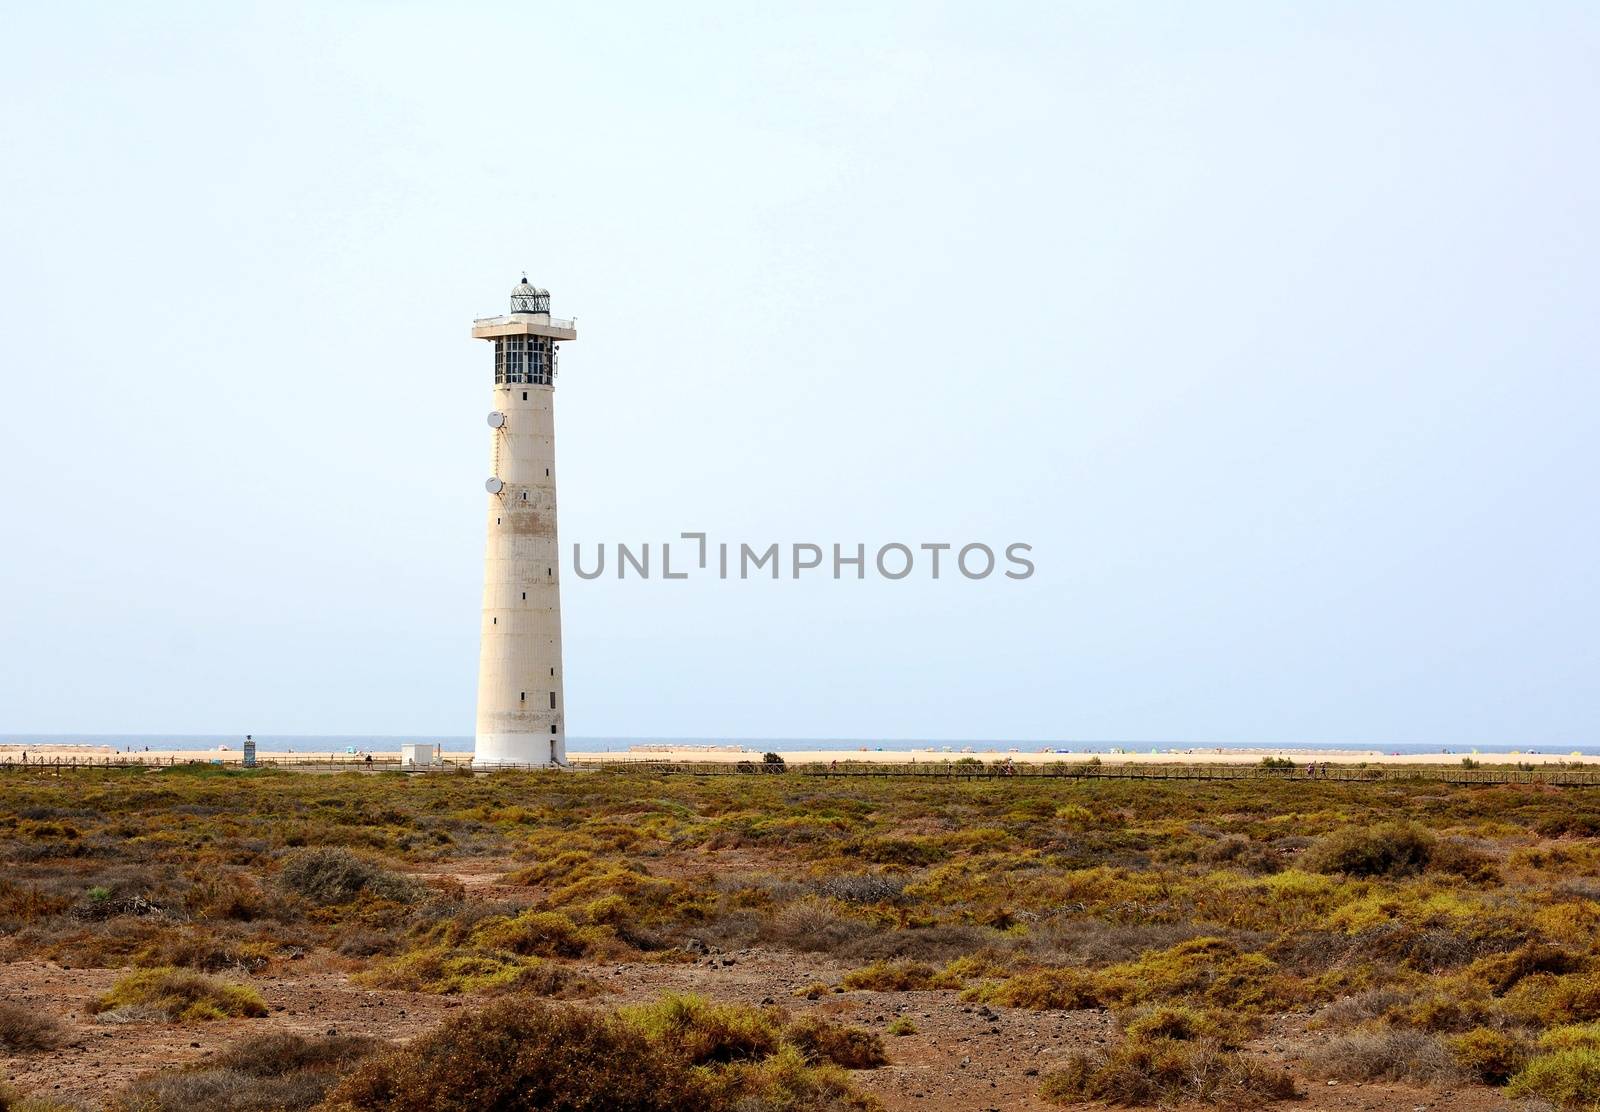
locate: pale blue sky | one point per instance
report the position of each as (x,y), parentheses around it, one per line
(1272,327)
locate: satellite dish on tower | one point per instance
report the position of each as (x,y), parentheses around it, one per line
(494,486)
(497,420)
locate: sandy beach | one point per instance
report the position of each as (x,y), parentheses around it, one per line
(933,754)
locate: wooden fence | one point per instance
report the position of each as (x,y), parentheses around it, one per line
(1553,776)
(1084,770)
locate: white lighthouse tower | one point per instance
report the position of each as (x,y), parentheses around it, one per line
(521,708)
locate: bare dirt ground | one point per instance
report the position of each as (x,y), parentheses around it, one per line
(962,1057)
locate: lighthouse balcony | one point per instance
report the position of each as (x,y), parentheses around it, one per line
(524,324)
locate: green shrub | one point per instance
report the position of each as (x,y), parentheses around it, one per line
(181,995)
(1569,1079)
(1578,1036)
(902,1025)
(1389,849)
(1489,1055)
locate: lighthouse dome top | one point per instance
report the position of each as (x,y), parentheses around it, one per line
(529,299)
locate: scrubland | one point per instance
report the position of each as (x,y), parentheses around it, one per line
(1243,943)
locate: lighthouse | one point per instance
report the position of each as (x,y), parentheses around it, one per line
(521,708)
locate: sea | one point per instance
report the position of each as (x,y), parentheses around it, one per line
(360,743)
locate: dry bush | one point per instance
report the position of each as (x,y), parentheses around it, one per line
(1502,972)
(1388,849)
(1048,990)
(24,1030)
(1386,1054)
(1174,1021)
(861,888)
(1363,1006)
(367,944)
(551,981)
(1243,853)
(1464,859)
(1426,948)
(180,995)
(891,976)
(333,875)
(699,1032)
(939,943)
(1489,1055)
(545,934)
(519,1057)
(210,950)
(275,1072)
(1067,941)
(854,1048)
(784,1082)
(469,969)
(1167,1071)
(812,927)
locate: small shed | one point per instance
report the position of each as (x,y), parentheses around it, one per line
(418,754)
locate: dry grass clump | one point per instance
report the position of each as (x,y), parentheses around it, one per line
(180,995)
(276,1072)
(1384,1054)
(522,1056)
(1140,1071)
(24,1030)
(333,875)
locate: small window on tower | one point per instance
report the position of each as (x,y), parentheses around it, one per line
(523,697)
(552,700)
(524,596)
(524,395)
(552,729)
(524,496)
(547,472)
